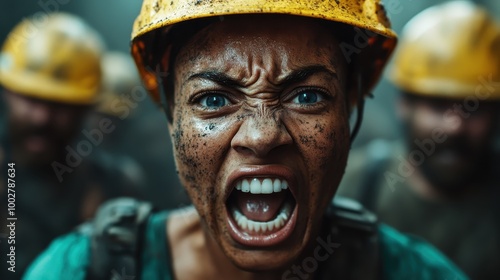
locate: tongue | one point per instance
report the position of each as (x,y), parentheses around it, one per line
(260,207)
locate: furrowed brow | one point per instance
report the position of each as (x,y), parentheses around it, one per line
(217,77)
(303,74)
(296,76)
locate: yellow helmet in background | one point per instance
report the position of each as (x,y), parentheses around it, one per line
(367,15)
(54,58)
(119,78)
(448,51)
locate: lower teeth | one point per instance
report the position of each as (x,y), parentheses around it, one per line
(277,223)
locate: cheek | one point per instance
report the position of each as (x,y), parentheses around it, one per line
(479,129)
(18,109)
(325,146)
(424,121)
(324,142)
(199,146)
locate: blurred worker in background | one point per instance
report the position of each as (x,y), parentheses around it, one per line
(117,104)
(50,76)
(257,96)
(139,134)
(441,181)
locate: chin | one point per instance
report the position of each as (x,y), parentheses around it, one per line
(272,259)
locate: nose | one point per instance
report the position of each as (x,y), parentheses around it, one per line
(40,114)
(260,135)
(457,125)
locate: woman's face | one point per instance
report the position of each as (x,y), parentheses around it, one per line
(260,132)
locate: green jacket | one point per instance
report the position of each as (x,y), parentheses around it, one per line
(403,257)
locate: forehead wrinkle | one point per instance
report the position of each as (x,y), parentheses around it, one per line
(261,66)
(259,62)
(278,70)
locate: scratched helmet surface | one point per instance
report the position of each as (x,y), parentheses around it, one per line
(367,15)
(450,51)
(55,58)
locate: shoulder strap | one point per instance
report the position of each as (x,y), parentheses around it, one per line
(116,239)
(355,231)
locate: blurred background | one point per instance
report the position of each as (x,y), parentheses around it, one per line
(147,137)
(140,145)
(145,127)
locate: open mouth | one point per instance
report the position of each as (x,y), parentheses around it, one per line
(261,210)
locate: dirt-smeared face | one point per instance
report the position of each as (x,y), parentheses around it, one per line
(457,142)
(260,132)
(40,130)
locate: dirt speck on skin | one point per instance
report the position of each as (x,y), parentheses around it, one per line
(189,178)
(177,137)
(319,127)
(331,136)
(240,117)
(303,139)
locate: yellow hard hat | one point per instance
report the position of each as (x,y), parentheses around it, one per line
(55,58)
(367,15)
(120,78)
(451,51)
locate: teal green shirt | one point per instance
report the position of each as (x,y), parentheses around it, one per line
(403,257)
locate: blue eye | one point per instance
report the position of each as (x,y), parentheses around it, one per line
(214,101)
(307,97)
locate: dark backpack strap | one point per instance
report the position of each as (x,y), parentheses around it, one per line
(355,231)
(116,239)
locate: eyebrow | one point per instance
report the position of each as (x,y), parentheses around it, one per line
(296,76)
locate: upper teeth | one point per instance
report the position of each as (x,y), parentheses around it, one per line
(260,185)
